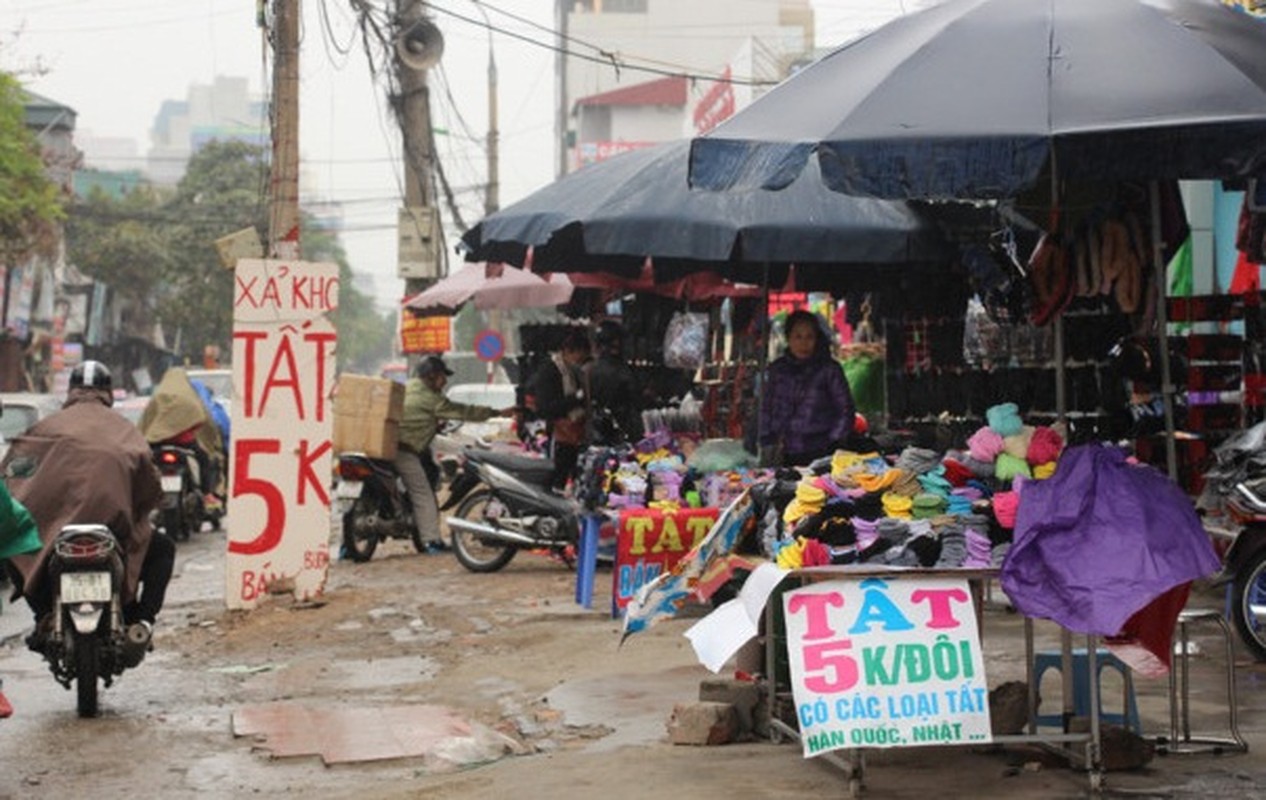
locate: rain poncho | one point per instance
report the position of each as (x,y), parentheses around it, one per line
(85,464)
(176,408)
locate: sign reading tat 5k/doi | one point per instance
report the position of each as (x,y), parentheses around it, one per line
(283,376)
(886,663)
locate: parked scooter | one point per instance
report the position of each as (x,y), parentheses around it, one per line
(1237,486)
(375,506)
(181,511)
(504,503)
(87,639)
(1245,563)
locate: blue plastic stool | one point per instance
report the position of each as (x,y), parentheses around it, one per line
(1051,659)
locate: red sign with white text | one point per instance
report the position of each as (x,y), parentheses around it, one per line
(648,542)
(283,376)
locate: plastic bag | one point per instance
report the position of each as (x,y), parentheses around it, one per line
(720,455)
(686,341)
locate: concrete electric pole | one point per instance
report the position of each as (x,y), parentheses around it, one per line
(418,46)
(283,210)
(492,199)
(560,76)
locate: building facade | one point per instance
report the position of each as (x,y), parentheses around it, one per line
(653,81)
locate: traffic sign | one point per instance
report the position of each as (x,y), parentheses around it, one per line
(489,346)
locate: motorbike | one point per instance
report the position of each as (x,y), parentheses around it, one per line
(1236,487)
(86,640)
(503,504)
(1245,563)
(375,506)
(182,509)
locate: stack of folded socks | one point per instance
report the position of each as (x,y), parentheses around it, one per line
(953,546)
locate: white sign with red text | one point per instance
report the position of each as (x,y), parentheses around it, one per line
(283,376)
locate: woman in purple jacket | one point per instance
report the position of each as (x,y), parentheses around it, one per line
(806,408)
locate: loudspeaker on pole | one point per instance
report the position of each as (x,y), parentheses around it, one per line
(420,45)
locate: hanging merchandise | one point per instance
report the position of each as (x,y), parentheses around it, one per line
(686,341)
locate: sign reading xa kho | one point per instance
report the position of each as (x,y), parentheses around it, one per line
(283,376)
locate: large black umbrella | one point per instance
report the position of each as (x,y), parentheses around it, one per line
(974,98)
(611,216)
(979,98)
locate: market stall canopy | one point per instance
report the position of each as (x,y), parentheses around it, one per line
(695,286)
(492,286)
(975,98)
(611,216)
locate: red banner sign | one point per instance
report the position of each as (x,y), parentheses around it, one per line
(426,334)
(649,542)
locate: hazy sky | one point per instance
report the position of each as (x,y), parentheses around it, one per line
(116,61)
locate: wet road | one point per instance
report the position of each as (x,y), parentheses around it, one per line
(430,632)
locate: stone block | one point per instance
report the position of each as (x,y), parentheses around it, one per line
(743,695)
(703,724)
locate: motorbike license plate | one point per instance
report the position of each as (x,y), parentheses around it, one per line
(171,483)
(85,587)
(348,490)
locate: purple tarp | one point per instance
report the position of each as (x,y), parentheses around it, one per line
(1099,540)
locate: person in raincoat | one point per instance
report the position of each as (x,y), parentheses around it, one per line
(177,415)
(86,464)
(218,413)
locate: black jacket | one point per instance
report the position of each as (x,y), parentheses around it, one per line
(613,388)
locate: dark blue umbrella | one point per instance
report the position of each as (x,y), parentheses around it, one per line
(980,98)
(612,216)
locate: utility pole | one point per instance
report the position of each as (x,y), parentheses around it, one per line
(417,48)
(560,75)
(492,199)
(283,210)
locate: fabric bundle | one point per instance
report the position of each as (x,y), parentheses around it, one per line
(1045,446)
(918,460)
(1007,467)
(1004,419)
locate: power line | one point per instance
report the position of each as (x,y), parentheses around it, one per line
(611,59)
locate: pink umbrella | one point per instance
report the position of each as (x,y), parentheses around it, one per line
(494,286)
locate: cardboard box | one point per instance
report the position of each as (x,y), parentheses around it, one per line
(375,398)
(367,413)
(374,438)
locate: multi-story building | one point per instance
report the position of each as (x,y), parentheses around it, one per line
(224,110)
(640,70)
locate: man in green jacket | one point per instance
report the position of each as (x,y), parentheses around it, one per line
(424,406)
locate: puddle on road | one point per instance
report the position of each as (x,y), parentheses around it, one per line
(635,706)
(345,734)
(382,672)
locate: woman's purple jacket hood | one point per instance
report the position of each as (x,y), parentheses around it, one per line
(806,403)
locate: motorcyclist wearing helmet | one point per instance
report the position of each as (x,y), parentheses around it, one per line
(613,388)
(86,464)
